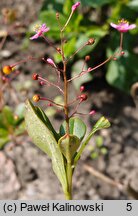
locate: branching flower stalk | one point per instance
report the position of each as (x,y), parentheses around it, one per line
(64,148)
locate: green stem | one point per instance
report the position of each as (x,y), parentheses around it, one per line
(69,178)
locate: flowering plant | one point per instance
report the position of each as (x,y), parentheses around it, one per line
(66,146)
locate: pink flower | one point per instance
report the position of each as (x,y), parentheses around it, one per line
(123,26)
(74,7)
(39,31)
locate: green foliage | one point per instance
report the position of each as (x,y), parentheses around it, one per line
(68,146)
(100,124)
(76,127)
(63,149)
(11,124)
(44,136)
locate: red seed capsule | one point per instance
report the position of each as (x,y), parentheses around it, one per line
(35,76)
(83,97)
(36,98)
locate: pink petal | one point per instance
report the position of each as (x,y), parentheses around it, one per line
(132,26)
(114,25)
(34,37)
(46,30)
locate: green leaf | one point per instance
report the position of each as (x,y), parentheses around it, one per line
(20,109)
(67,6)
(42,115)
(121,74)
(76,127)
(20,129)
(69,47)
(3,132)
(96,3)
(69,145)
(42,136)
(100,124)
(8,116)
(76,69)
(133,5)
(3,141)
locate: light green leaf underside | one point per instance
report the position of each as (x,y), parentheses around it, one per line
(45,140)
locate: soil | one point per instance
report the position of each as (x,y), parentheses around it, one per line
(25,171)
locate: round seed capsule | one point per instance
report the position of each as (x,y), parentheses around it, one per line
(36,98)
(7,69)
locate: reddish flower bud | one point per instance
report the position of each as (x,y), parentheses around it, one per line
(42,83)
(122,53)
(51,62)
(35,76)
(90,68)
(58,49)
(83,97)
(7,69)
(5,79)
(82,88)
(49,104)
(114,58)
(87,58)
(36,98)
(74,7)
(57,15)
(91,41)
(92,112)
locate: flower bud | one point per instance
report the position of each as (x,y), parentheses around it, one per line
(35,76)
(57,15)
(91,41)
(36,98)
(87,58)
(49,104)
(42,83)
(51,62)
(83,97)
(92,112)
(74,7)
(82,88)
(122,53)
(90,68)
(58,49)
(7,69)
